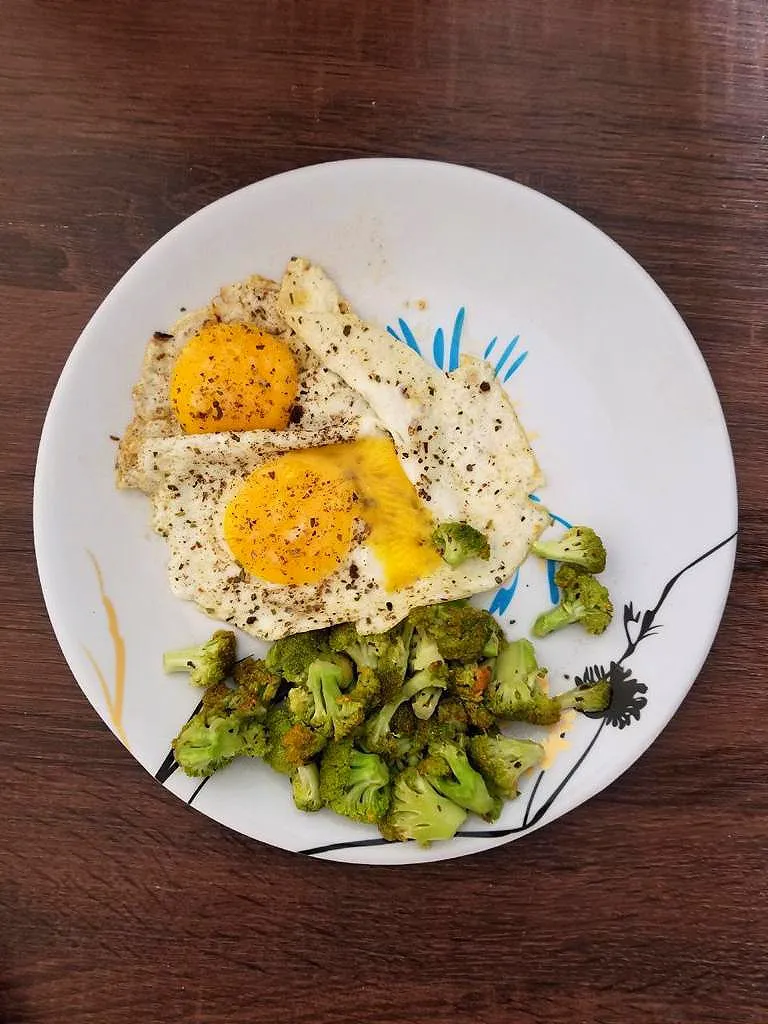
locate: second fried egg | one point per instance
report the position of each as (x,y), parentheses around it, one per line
(293,519)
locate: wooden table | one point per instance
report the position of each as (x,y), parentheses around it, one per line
(117,120)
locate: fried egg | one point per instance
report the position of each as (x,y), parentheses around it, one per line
(282,530)
(233,365)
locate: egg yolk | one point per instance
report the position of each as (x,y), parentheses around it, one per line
(293,519)
(233,377)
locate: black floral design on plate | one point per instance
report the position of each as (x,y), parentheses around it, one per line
(627,700)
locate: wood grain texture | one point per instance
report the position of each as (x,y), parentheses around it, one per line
(119,905)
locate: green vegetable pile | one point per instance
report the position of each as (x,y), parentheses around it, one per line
(403,729)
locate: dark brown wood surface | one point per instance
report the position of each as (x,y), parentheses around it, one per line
(118,905)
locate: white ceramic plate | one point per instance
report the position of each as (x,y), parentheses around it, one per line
(604,374)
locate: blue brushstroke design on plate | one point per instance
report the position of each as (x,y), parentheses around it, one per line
(554,593)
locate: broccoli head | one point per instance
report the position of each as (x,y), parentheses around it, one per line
(594,698)
(279,722)
(289,743)
(291,656)
(354,783)
(456,542)
(514,691)
(252,675)
(305,788)
(207,663)
(460,631)
(363,650)
(452,718)
(367,689)
(230,723)
(385,653)
(470,682)
(209,742)
(582,599)
(579,546)
(377,733)
(253,739)
(448,769)
(396,741)
(501,761)
(426,687)
(300,743)
(424,651)
(321,703)
(239,701)
(419,812)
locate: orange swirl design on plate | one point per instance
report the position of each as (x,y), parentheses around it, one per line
(112,698)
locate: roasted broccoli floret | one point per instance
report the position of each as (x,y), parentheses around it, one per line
(363,650)
(579,546)
(367,689)
(424,651)
(448,769)
(501,761)
(429,684)
(398,740)
(593,698)
(291,656)
(301,743)
(377,727)
(419,812)
(305,788)
(253,739)
(279,723)
(582,599)
(354,783)
(321,703)
(229,723)
(209,742)
(386,653)
(207,663)
(460,631)
(514,691)
(451,719)
(470,682)
(253,675)
(456,542)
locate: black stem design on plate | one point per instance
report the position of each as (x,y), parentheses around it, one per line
(619,716)
(198,788)
(646,621)
(378,841)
